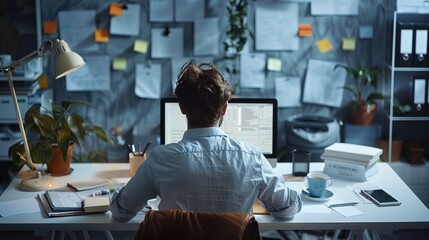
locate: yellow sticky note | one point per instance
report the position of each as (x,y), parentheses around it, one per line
(324,45)
(274,64)
(101,35)
(349,44)
(119,64)
(140,46)
(50,27)
(115,9)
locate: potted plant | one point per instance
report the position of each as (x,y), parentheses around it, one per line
(362,109)
(58,131)
(236,35)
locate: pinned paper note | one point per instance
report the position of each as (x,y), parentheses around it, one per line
(288,91)
(50,27)
(274,64)
(77,27)
(119,64)
(116,9)
(305,30)
(366,32)
(101,35)
(93,76)
(324,45)
(323,83)
(148,81)
(140,46)
(349,44)
(252,73)
(128,23)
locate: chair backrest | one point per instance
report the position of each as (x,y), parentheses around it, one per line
(179,224)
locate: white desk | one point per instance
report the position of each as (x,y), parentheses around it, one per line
(411,214)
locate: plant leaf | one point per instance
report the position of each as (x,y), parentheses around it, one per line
(45,124)
(76,125)
(99,132)
(42,153)
(12,153)
(375,96)
(64,138)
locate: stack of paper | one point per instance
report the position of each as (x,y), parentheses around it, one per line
(351,161)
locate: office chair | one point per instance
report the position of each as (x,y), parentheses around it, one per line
(179,224)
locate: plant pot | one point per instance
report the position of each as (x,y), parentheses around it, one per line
(57,166)
(360,114)
(396,149)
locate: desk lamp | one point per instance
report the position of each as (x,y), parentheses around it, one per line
(67,61)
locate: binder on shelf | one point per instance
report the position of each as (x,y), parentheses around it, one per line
(421,33)
(404,54)
(419,93)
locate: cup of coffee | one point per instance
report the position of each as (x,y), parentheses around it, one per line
(316,183)
(136,159)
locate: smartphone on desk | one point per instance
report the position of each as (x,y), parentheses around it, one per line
(380,197)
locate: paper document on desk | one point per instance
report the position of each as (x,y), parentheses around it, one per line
(346,211)
(19,206)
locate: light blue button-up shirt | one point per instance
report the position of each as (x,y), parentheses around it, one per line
(206,171)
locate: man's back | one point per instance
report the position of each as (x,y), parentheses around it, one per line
(207,171)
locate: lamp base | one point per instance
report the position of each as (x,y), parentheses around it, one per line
(38,183)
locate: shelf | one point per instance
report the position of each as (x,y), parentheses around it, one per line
(422,118)
(409,69)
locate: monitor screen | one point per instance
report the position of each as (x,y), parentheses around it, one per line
(251,120)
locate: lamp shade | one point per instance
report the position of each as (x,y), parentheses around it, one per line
(67,60)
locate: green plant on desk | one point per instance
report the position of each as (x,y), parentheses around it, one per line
(55,127)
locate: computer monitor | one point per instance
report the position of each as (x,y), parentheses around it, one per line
(251,120)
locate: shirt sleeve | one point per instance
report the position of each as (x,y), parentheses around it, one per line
(133,197)
(275,196)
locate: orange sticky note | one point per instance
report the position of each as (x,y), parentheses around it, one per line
(305,30)
(324,45)
(101,35)
(115,9)
(50,27)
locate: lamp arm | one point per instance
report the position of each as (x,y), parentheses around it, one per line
(27,156)
(38,53)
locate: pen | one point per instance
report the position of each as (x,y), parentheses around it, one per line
(146,147)
(102,192)
(342,204)
(131,150)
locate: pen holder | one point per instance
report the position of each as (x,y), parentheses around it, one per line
(135,160)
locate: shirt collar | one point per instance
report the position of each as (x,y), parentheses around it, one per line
(203,132)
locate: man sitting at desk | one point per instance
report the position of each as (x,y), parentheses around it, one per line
(206,170)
